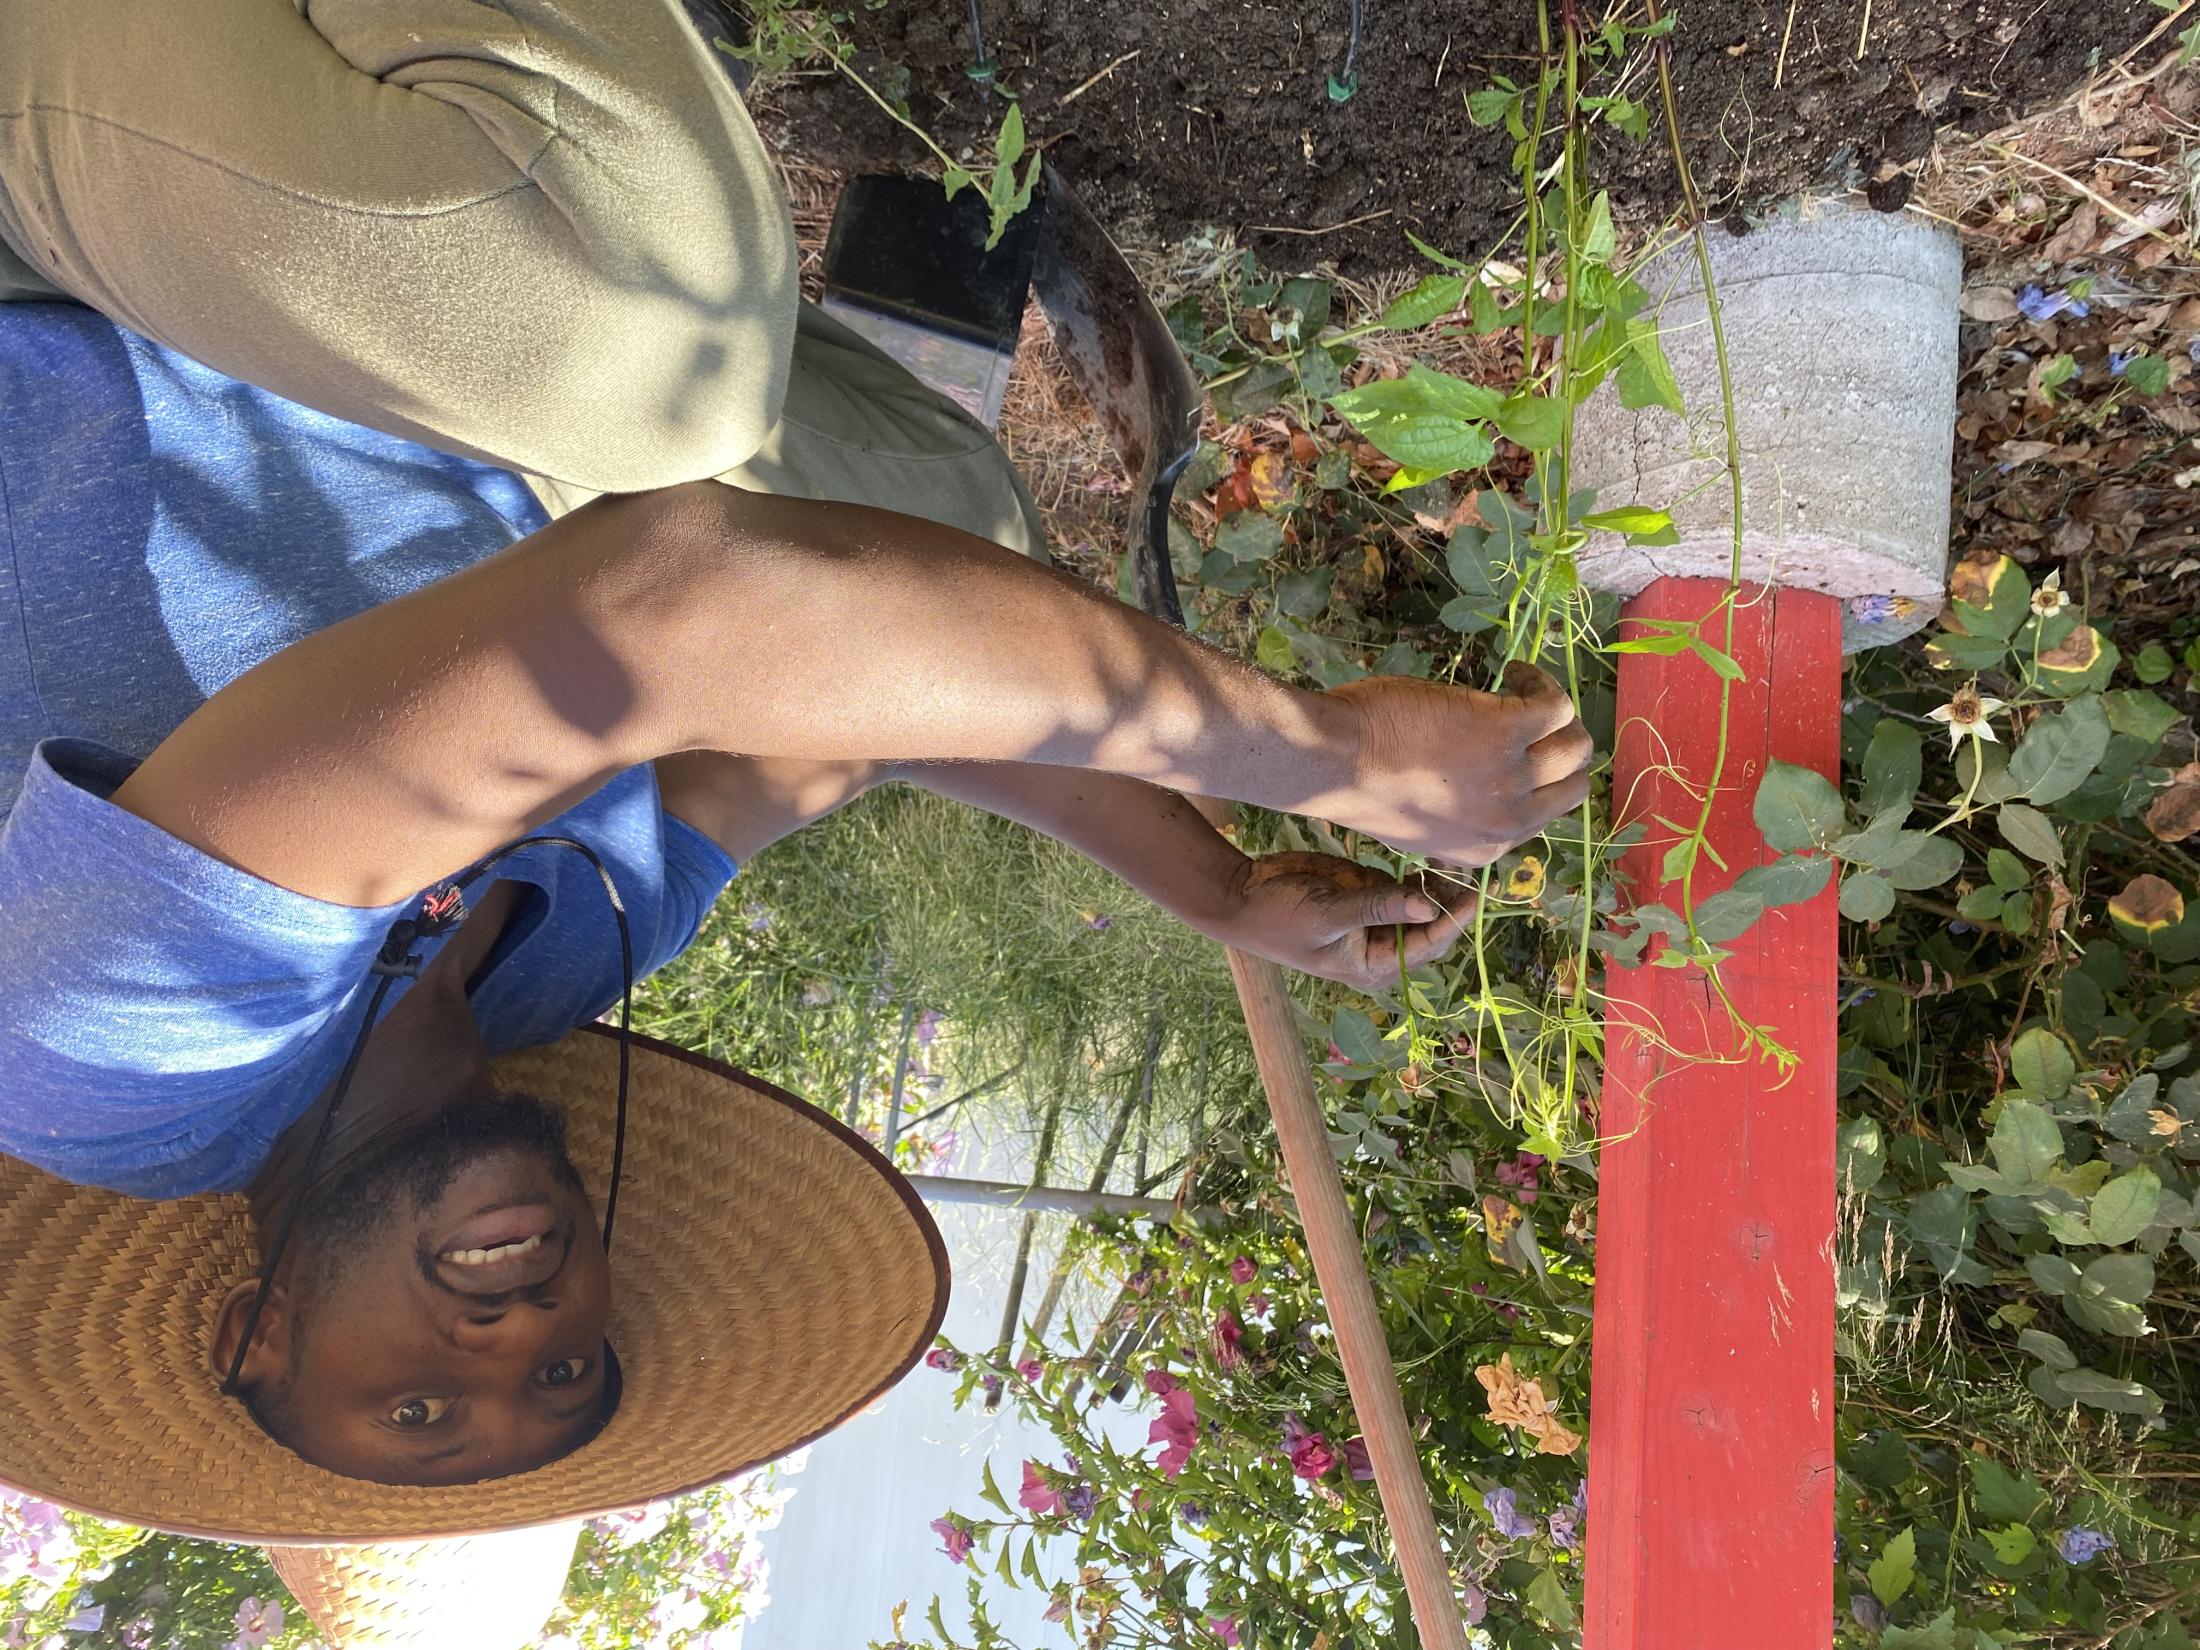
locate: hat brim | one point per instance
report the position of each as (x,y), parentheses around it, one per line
(772,1276)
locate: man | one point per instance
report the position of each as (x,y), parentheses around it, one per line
(275,685)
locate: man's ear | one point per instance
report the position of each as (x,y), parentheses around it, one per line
(269,1355)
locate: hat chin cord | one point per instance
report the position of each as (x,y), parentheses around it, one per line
(441,910)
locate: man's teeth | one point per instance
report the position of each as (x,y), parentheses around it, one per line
(484,1257)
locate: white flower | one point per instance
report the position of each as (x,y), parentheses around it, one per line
(2050,598)
(1966,714)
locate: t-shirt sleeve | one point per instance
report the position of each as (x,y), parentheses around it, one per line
(161,1013)
(697,871)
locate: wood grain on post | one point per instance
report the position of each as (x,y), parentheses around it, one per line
(1340,1266)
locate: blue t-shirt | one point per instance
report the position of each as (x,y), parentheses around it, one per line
(164,1017)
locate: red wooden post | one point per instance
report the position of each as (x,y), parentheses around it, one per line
(1711,1442)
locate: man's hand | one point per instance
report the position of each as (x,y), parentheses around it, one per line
(1459,775)
(1347,922)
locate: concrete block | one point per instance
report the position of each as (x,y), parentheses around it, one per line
(1841,331)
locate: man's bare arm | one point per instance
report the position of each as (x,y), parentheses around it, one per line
(387,751)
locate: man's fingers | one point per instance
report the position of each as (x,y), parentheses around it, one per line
(1544,705)
(1386,907)
(1561,796)
(1562,754)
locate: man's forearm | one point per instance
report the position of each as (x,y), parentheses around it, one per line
(1153,839)
(786,628)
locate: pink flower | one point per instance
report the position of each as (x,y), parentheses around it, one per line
(1031,1369)
(1177,1429)
(1311,1456)
(1474,1604)
(1357,1461)
(956,1541)
(1224,1628)
(1161,1383)
(941,1358)
(1258,1304)
(258,1620)
(928,1027)
(1037,1494)
(1059,1609)
(1242,1270)
(1227,1335)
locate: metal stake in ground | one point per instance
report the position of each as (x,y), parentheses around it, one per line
(1119,350)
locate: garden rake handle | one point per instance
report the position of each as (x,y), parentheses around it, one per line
(1340,1267)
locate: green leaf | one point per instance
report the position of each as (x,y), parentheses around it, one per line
(1249,535)
(1796,808)
(1600,240)
(992,1491)
(1275,652)
(1432,444)
(2126,1278)
(954,179)
(1894,767)
(1861,1156)
(1883,1463)
(2125,1207)
(2145,716)
(2051,1350)
(1928,864)
(1788,880)
(2007,871)
(2053,1273)
(1937,1634)
(1866,896)
(1895,1568)
(1487,105)
(2042,1063)
(2060,751)
(1980,905)
(2110,1392)
(1537,422)
(2130,1117)
(1727,915)
(2001,1497)
(1645,376)
(2013,1543)
(2057,372)
(2026,1142)
(2148,374)
(1432,298)
(1355,1035)
(1630,519)
(2030,832)
(1546,1595)
(1008,146)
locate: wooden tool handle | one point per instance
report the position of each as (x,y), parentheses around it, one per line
(1340,1266)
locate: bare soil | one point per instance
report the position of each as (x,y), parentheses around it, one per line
(1174,115)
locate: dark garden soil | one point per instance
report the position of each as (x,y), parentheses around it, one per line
(1217,112)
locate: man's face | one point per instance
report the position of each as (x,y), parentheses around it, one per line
(445,1314)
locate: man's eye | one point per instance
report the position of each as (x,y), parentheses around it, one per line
(420,1412)
(564,1372)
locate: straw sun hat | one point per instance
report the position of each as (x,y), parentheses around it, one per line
(773,1276)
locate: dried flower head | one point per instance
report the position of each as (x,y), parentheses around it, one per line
(1966,715)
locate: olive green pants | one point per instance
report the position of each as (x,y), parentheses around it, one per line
(542,233)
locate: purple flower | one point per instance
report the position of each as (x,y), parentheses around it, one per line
(258,1620)
(1224,1628)
(1079,1500)
(1872,609)
(1504,1509)
(1357,1461)
(760,917)
(955,1541)
(137,1633)
(1474,1604)
(2080,1545)
(1030,1369)
(2119,359)
(1565,1525)
(1099,922)
(2037,305)
(1059,1609)
(1242,1270)
(928,1027)
(1193,1513)
(86,1620)
(992,1385)
(941,1357)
